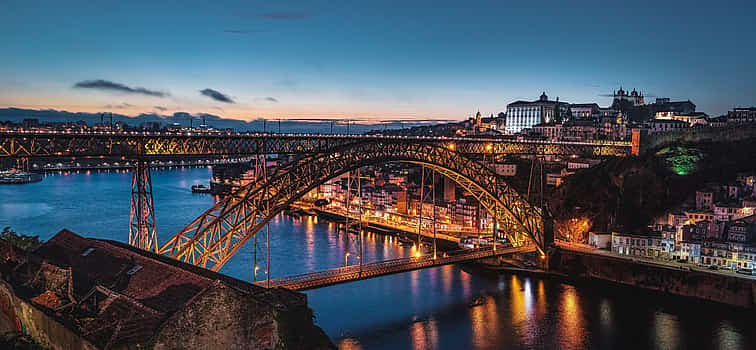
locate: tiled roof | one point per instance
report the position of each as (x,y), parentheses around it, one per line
(160,286)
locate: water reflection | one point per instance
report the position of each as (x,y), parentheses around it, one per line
(570,328)
(424,335)
(425,309)
(485,323)
(666,330)
(349,344)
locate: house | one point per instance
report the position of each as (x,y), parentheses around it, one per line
(82,293)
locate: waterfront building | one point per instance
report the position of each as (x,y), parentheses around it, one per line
(742,115)
(725,211)
(649,246)
(692,119)
(585,111)
(689,251)
(665,105)
(579,130)
(704,199)
(664,125)
(611,128)
(526,114)
(600,240)
(551,131)
(699,215)
(738,231)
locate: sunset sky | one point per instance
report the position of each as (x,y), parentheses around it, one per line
(369,59)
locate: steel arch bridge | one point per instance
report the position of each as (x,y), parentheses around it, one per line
(215,236)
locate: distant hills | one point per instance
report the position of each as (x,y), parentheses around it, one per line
(17,115)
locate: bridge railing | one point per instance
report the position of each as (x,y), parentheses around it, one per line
(382,267)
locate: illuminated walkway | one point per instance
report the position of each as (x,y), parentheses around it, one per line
(381,268)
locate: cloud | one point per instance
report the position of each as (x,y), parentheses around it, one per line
(107,85)
(284,16)
(271,99)
(161,108)
(118,106)
(241,31)
(216,95)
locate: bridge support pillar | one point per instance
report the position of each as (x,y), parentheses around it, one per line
(548,237)
(142,230)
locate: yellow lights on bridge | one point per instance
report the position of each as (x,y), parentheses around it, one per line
(451,146)
(489,147)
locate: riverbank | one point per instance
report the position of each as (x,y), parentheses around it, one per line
(580,266)
(445,242)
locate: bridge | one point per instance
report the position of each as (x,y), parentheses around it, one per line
(382,268)
(139,144)
(215,236)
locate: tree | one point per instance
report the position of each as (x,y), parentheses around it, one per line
(23,242)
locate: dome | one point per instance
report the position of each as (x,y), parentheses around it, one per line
(634,93)
(621,92)
(543,97)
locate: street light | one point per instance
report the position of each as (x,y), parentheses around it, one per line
(346,262)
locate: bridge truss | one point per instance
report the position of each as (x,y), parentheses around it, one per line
(214,237)
(126,144)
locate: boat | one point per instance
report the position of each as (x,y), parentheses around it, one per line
(477,301)
(403,240)
(200,189)
(14,177)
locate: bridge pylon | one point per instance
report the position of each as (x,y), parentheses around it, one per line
(142,230)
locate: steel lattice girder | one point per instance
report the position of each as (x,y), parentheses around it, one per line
(142,230)
(211,239)
(20,144)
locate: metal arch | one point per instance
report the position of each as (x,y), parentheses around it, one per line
(211,239)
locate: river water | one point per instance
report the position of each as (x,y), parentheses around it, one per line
(425,309)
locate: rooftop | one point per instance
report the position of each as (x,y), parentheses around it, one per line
(113,294)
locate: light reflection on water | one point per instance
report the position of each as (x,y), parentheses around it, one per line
(425,309)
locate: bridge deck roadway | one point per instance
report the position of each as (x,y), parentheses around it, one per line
(129,144)
(381,268)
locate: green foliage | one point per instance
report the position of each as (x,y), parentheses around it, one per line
(23,242)
(628,193)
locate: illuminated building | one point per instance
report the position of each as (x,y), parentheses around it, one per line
(525,114)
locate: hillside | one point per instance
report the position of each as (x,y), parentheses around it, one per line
(628,193)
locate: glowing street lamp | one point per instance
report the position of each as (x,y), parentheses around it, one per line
(346,262)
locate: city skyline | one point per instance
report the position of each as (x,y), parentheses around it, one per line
(380,62)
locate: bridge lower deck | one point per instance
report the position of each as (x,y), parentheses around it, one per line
(381,268)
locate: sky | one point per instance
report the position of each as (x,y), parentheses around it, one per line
(372,60)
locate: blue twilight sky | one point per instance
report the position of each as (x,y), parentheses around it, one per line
(370,59)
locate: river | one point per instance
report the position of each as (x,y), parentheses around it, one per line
(425,309)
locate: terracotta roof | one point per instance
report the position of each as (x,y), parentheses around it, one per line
(160,286)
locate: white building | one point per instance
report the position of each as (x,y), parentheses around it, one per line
(525,114)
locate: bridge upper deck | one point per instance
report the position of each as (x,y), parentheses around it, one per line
(129,144)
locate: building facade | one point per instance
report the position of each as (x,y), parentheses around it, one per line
(524,114)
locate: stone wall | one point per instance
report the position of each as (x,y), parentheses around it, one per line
(729,133)
(20,315)
(715,287)
(223,317)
